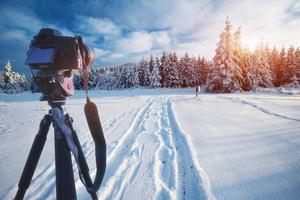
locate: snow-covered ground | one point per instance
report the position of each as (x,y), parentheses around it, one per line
(166,144)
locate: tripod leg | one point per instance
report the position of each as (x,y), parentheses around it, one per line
(65,186)
(33,158)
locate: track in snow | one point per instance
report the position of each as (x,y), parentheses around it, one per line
(150,160)
(41,189)
(259,108)
(153,160)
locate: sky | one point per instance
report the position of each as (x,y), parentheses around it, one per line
(122,31)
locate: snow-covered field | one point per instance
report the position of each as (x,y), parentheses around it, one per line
(166,144)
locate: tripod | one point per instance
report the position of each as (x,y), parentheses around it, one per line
(66,141)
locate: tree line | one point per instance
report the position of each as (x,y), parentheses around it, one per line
(233,68)
(166,71)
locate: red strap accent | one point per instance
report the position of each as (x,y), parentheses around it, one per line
(86,82)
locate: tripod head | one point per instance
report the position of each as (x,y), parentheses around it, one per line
(55,86)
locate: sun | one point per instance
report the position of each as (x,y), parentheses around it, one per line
(249,42)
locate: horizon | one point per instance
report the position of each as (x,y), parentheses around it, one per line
(127,31)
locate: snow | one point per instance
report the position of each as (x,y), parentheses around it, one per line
(167,144)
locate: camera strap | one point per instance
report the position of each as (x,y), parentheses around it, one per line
(93,120)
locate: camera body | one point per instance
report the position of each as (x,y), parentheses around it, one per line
(53,58)
(49,49)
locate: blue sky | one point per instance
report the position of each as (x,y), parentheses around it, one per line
(128,30)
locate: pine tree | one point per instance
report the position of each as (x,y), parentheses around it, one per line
(297,65)
(8,75)
(170,72)
(226,75)
(2,83)
(239,66)
(273,59)
(290,67)
(246,63)
(78,82)
(181,73)
(155,79)
(163,60)
(149,72)
(203,69)
(92,79)
(132,76)
(142,72)
(13,82)
(261,74)
(188,70)
(280,67)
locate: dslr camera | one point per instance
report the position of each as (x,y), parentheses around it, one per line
(53,59)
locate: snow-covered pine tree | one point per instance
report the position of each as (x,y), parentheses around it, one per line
(13,81)
(78,82)
(2,83)
(151,64)
(188,71)
(104,79)
(239,67)
(100,78)
(170,72)
(9,78)
(132,76)
(181,76)
(114,79)
(203,69)
(260,71)
(163,60)
(246,63)
(273,59)
(155,79)
(142,72)
(122,76)
(280,67)
(92,79)
(290,67)
(198,68)
(149,71)
(297,62)
(225,76)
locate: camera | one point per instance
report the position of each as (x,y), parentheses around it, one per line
(50,50)
(53,58)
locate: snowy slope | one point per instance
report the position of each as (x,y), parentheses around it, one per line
(166,144)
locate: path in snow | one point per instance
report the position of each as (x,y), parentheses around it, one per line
(171,146)
(153,158)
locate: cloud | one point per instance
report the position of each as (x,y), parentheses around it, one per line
(100,52)
(161,39)
(16,18)
(136,42)
(93,25)
(14,35)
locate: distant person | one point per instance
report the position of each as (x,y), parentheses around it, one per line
(197,86)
